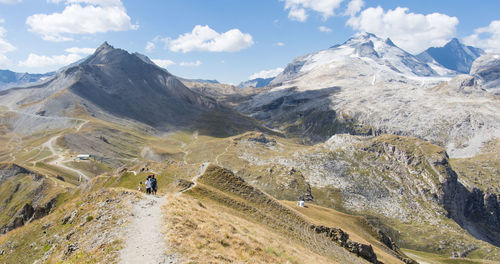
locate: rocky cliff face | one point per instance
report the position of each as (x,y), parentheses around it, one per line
(487,71)
(392,177)
(24,197)
(10,170)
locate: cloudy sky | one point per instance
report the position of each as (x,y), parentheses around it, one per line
(229,40)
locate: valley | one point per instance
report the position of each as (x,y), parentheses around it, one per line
(396,160)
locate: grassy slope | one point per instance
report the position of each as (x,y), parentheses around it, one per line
(483,170)
(180,147)
(95,229)
(26,188)
(358,228)
(229,151)
(203,231)
(247,202)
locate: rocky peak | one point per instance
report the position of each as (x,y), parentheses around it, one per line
(103,47)
(389,42)
(107,54)
(487,70)
(362,38)
(454,55)
(454,42)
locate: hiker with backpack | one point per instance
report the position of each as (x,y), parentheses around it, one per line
(154,184)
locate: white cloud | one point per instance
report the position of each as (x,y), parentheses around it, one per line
(354,7)
(4,61)
(298,14)
(150,46)
(324,29)
(52,62)
(266,74)
(10,1)
(203,38)
(279,44)
(163,63)
(84,51)
(5,46)
(81,17)
(190,64)
(410,31)
(298,8)
(487,38)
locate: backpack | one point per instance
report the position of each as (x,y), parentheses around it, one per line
(153,183)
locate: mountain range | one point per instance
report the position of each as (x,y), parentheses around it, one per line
(395,155)
(9,79)
(256,83)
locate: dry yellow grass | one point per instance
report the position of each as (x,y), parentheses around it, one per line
(357,227)
(203,231)
(230,194)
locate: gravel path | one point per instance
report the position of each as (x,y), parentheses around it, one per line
(145,244)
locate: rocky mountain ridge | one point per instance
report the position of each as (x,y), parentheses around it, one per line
(381,55)
(256,83)
(9,79)
(113,84)
(374,86)
(454,56)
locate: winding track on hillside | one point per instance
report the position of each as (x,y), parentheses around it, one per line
(203,169)
(59,162)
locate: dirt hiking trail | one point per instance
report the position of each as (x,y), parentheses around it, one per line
(144,241)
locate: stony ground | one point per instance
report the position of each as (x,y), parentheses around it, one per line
(144,241)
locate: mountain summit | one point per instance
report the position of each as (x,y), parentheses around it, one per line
(370,52)
(115,84)
(454,55)
(125,85)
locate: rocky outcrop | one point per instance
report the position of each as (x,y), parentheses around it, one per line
(9,170)
(182,184)
(27,214)
(262,139)
(342,238)
(487,70)
(386,239)
(474,210)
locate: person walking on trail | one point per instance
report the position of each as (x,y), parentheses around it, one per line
(141,187)
(154,184)
(148,185)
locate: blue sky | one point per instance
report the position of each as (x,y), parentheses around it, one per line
(229,40)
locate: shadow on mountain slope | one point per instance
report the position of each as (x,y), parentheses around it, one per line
(302,113)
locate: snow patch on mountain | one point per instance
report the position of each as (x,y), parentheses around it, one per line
(382,56)
(383,87)
(256,83)
(9,79)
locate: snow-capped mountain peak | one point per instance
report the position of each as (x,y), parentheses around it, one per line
(364,49)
